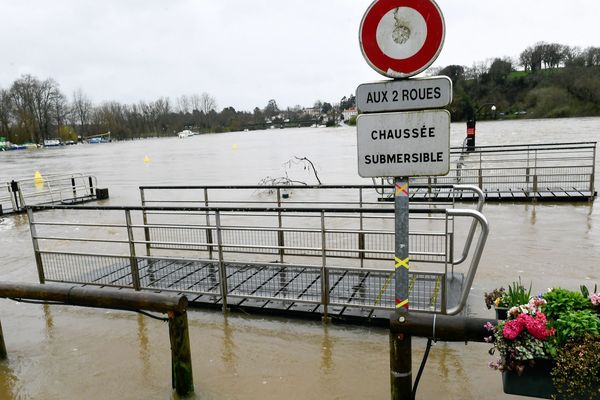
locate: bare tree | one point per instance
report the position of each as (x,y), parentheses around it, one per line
(6,110)
(82,109)
(207,103)
(183,104)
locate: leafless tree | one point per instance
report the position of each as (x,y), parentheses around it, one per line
(82,108)
(207,103)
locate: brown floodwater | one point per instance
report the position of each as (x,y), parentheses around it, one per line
(60,352)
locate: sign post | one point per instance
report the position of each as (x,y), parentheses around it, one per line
(399,39)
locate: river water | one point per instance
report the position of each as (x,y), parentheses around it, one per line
(58,352)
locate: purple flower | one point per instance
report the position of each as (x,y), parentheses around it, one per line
(489,326)
(488,339)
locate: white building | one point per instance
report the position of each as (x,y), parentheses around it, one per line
(350,112)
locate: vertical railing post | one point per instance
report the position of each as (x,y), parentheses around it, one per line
(74,188)
(280,240)
(593,174)
(91,184)
(181,357)
(36,247)
(14,189)
(222,270)
(209,238)
(135,272)
(361,234)
(480,178)
(147,236)
(145,221)
(324,272)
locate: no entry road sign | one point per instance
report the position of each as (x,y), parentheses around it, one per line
(405,94)
(415,143)
(400,38)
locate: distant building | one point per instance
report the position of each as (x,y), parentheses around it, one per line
(350,112)
(312,111)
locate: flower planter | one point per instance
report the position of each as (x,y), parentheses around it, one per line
(533,382)
(501,313)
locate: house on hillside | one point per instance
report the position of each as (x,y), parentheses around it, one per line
(349,113)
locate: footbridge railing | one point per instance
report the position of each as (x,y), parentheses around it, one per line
(529,169)
(329,256)
(18,194)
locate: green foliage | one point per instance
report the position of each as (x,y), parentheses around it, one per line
(561,300)
(577,371)
(517,294)
(352,120)
(573,325)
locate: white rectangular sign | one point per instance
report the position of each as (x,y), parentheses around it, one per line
(415,143)
(407,94)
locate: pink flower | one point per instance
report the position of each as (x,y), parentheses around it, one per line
(595,298)
(513,328)
(489,326)
(535,325)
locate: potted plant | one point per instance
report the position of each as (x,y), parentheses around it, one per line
(549,346)
(499,300)
(502,300)
(522,343)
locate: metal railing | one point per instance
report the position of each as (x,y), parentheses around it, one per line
(17,195)
(528,168)
(333,257)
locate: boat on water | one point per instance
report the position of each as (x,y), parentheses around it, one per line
(52,143)
(98,140)
(185,133)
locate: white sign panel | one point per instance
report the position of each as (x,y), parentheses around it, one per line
(408,94)
(413,143)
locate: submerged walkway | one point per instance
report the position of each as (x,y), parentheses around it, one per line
(357,296)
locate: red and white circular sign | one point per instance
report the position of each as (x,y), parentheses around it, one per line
(400,38)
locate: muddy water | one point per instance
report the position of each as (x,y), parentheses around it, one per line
(58,352)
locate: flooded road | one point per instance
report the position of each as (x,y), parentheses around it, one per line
(58,352)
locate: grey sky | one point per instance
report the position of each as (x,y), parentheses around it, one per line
(245,52)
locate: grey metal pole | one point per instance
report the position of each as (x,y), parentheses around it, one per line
(400,342)
(135,272)
(222,271)
(36,246)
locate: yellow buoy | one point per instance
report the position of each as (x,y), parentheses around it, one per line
(146,160)
(38,180)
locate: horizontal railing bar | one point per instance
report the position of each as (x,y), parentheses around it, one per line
(74,253)
(238,209)
(76,239)
(82,224)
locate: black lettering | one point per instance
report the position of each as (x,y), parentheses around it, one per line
(395,95)
(384,96)
(370,97)
(437,93)
(373,135)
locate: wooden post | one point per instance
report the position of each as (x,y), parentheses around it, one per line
(181,357)
(2,345)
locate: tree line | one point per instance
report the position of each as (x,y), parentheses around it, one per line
(546,80)
(34,110)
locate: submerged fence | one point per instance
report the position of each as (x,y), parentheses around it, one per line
(327,256)
(17,195)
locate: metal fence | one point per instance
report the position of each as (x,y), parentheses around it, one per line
(527,168)
(301,255)
(18,194)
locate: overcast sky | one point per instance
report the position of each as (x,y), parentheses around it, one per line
(245,52)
